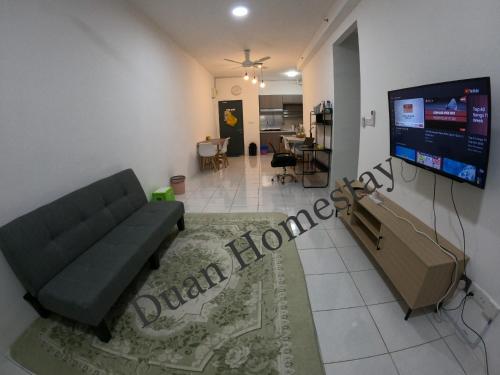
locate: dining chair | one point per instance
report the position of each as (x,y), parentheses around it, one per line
(208,155)
(223,152)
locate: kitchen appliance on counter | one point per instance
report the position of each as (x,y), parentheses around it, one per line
(280,112)
(271,122)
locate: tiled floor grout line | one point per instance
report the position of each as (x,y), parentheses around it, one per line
(312,249)
(325,273)
(417,346)
(355,307)
(366,307)
(453,354)
(379,355)
(390,353)
(315,248)
(371,316)
(396,351)
(357,359)
(373,269)
(380,333)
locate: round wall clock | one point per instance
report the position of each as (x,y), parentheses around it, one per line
(236,90)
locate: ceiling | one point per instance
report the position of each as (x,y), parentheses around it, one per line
(207,30)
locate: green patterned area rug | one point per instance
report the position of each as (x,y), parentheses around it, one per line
(256,321)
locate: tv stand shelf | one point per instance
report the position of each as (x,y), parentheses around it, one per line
(419,270)
(370,224)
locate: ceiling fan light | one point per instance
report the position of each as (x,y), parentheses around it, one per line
(254,80)
(292,73)
(246,77)
(240,11)
(262,84)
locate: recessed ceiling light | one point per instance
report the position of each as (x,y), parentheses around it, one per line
(240,11)
(292,73)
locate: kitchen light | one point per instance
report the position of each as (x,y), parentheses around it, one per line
(262,83)
(246,77)
(292,73)
(254,80)
(240,11)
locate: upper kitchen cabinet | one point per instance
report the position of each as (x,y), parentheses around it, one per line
(292,99)
(270,102)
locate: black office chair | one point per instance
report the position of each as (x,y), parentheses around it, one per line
(283,160)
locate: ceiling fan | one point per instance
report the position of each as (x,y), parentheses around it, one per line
(247,63)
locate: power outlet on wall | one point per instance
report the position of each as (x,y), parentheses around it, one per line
(489,307)
(369,121)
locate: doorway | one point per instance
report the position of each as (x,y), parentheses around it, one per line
(347,109)
(231,126)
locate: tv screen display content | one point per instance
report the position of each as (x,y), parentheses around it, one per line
(443,127)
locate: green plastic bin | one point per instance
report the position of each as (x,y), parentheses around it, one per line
(164,194)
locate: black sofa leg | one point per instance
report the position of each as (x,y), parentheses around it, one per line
(154,260)
(33,301)
(180,224)
(102,332)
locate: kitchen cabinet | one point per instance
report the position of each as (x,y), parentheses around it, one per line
(270,102)
(292,99)
(292,111)
(278,101)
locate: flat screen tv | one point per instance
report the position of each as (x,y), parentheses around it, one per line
(444,127)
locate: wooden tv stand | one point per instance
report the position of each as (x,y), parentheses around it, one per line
(419,270)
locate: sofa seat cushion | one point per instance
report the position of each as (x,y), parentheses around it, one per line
(87,288)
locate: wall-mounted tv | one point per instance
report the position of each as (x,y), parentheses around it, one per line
(444,127)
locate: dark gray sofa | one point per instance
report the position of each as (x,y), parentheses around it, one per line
(76,255)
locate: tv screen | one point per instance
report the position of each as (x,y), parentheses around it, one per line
(444,127)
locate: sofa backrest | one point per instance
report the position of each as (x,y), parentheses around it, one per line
(43,242)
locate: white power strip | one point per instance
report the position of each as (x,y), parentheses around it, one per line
(489,307)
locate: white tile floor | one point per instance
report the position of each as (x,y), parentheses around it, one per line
(358,316)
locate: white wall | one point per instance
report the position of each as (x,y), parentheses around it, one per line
(346,116)
(281,88)
(250,97)
(88,88)
(407,43)
(317,82)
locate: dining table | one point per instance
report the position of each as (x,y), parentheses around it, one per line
(219,142)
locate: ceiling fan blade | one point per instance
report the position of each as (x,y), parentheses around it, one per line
(262,59)
(236,62)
